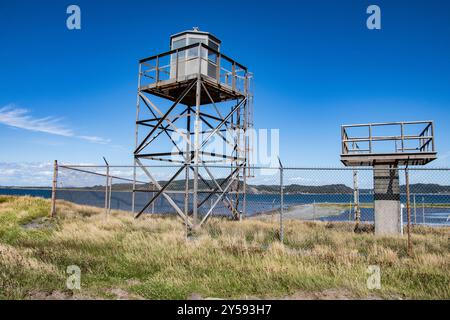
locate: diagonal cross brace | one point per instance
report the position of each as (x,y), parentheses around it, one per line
(220,197)
(229,205)
(168,198)
(223,122)
(164,117)
(164,128)
(161,190)
(217,187)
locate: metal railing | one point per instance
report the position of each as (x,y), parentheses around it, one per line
(421,142)
(178,64)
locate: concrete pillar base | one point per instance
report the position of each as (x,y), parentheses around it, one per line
(387,207)
(387,217)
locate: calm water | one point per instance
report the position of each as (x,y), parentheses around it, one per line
(255,203)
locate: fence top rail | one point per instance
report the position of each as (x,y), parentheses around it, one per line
(369,168)
(79,169)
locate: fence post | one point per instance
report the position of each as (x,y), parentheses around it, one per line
(314,210)
(423,210)
(356,209)
(110,195)
(106,188)
(281,202)
(408,208)
(350,211)
(54,186)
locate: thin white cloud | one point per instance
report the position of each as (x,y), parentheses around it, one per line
(26,174)
(95,139)
(20,118)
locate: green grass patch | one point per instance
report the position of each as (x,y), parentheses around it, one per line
(150,257)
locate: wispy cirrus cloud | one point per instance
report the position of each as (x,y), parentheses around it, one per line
(21,118)
(95,139)
(13,116)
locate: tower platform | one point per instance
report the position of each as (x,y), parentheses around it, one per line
(408,143)
(400,159)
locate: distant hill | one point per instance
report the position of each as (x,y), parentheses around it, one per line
(179,185)
(427,188)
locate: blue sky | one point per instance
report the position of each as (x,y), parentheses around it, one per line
(70,95)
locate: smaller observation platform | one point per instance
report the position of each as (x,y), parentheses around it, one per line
(390,143)
(194,54)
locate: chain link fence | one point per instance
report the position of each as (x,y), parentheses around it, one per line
(313,194)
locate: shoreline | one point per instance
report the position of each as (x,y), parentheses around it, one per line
(303,212)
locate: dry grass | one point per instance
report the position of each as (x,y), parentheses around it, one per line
(151,258)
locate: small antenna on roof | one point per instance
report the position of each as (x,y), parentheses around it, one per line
(196,28)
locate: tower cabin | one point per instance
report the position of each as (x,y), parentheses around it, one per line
(188,62)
